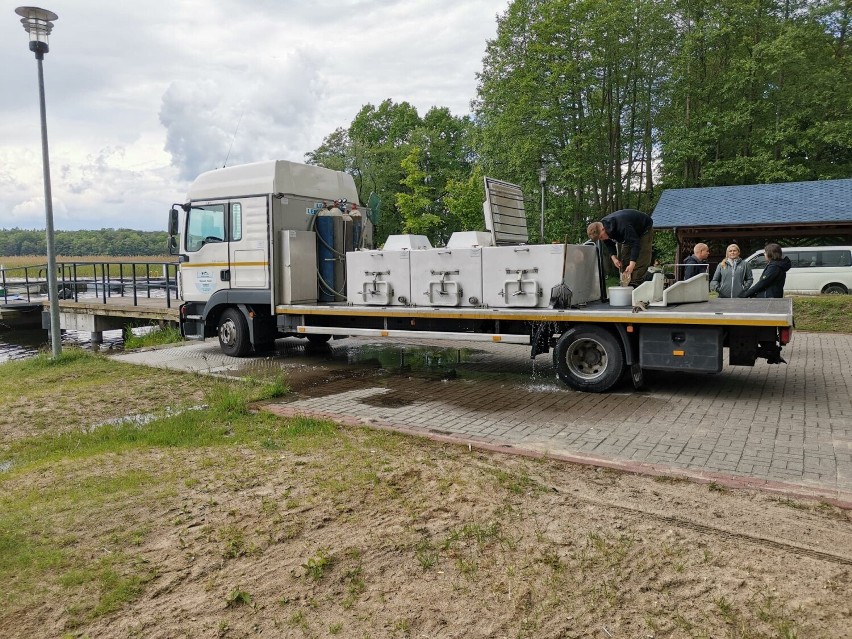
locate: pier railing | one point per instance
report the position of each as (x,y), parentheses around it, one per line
(95,280)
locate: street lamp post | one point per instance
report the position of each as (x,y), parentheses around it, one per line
(542,178)
(39,23)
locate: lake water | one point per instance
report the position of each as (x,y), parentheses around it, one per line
(20,344)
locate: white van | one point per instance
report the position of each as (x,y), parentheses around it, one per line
(815,269)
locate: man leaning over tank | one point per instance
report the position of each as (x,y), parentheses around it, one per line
(634,233)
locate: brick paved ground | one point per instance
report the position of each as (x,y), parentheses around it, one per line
(785,428)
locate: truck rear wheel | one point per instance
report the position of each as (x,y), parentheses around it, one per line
(234,334)
(588,358)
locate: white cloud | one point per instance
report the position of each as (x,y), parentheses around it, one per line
(141,97)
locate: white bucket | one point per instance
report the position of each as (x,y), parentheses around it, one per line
(620,295)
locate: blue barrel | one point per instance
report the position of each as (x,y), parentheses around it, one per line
(325,256)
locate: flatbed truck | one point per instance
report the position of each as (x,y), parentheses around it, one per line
(256,265)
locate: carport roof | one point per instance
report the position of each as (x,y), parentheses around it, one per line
(791,203)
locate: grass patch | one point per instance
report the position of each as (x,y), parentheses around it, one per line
(823,313)
(316,566)
(518,483)
(227,422)
(77,385)
(157,336)
(80,389)
(15,264)
(76,374)
(36,553)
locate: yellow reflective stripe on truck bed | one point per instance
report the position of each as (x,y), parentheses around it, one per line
(544,315)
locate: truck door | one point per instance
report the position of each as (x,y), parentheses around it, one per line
(248,245)
(207,267)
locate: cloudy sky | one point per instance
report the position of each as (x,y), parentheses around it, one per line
(143,96)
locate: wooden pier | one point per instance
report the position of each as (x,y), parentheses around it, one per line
(93,316)
(108,301)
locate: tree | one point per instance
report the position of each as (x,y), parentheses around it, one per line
(760,92)
(464,198)
(415,204)
(405,160)
(572,85)
(87,243)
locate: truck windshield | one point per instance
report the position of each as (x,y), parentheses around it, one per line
(205,224)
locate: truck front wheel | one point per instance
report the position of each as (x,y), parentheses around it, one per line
(233,333)
(588,358)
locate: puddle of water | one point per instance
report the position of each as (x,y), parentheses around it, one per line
(142,419)
(300,359)
(410,358)
(388,400)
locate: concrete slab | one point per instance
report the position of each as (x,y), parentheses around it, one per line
(784,428)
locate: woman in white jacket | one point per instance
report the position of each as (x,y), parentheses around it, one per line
(733,275)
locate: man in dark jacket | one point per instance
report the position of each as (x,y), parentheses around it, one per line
(634,232)
(697,262)
(771,282)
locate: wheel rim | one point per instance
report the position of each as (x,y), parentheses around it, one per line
(228,332)
(586,359)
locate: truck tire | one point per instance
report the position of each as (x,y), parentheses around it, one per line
(316,339)
(234,334)
(588,358)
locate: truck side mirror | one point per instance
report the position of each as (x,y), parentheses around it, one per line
(173,245)
(173,222)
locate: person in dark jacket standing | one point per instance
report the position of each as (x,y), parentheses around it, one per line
(634,232)
(697,262)
(771,282)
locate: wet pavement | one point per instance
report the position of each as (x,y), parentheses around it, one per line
(781,428)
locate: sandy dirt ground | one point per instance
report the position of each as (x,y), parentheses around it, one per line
(378,535)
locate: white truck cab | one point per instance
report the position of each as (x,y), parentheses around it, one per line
(233,236)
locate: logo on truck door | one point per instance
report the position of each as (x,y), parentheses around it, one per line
(204,281)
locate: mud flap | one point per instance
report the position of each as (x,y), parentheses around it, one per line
(770,351)
(540,335)
(192,326)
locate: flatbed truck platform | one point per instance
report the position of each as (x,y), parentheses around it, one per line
(592,346)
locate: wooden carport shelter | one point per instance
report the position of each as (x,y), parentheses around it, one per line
(793,214)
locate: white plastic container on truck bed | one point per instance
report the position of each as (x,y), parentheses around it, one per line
(522,276)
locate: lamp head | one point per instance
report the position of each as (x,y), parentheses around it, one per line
(542,175)
(38,23)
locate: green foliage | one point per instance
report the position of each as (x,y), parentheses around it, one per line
(407,161)
(758,93)
(572,85)
(238,597)
(115,242)
(616,100)
(414,205)
(464,199)
(665,245)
